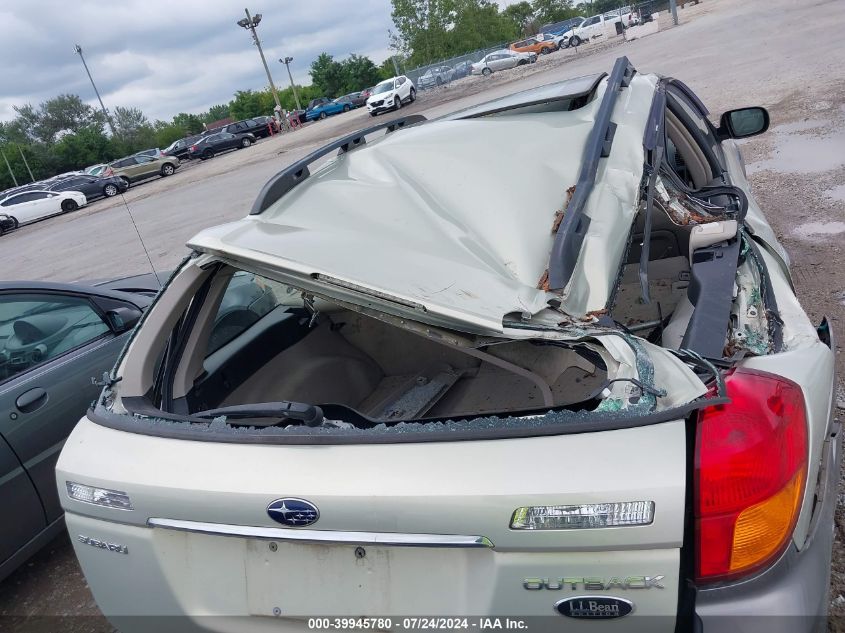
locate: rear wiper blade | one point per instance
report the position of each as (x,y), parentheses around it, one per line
(307,414)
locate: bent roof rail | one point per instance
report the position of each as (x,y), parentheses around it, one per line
(570,234)
(294,174)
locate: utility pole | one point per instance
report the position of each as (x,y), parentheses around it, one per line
(286,61)
(11,173)
(31,177)
(78,49)
(673,7)
(250,23)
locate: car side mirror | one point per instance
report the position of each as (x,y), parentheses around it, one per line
(123,318)
(743,123)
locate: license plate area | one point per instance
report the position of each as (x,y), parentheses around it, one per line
(312,579)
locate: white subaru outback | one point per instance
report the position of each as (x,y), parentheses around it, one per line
(606,405)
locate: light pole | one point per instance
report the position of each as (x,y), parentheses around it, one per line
(78,49)
(286,61)
(9,167)
(250,22)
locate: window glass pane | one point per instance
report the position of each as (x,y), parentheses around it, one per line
(247,298)
(36,328)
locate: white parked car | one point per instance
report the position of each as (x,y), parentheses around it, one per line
(596,26)
(460,402)
(391,94)
(30,206)
(502,60)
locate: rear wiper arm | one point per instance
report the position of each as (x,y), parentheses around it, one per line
(307,414)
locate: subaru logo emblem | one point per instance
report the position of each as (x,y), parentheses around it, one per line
(293,512)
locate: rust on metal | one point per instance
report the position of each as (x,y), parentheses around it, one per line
(543,284)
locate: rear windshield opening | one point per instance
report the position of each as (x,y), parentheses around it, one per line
(261,343)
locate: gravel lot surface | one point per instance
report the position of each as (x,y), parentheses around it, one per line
(731,53)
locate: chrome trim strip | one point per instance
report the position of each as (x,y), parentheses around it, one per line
(324,536)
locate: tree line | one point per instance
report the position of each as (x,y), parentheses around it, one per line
(428,31)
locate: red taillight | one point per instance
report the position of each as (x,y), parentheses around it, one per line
(750,471)
(193,148)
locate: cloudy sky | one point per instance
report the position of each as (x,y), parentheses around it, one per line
(170,56)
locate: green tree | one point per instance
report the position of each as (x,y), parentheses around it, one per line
(603,6)
(358,72)
(165,133)
(133,131)
(189,123)
(84,147)
(547,11)
(521,15)
(54,117)
(327,75)
(35,158)
(432,30)
(216,113)
(479,24)
(387,70)
(422,28)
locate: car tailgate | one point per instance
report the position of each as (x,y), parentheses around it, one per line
(223,554)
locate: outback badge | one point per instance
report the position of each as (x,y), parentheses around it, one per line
(594,607)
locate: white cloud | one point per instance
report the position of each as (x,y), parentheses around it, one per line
(165,57)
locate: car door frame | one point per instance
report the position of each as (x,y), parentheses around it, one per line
(100,300)
(229,143)
(141,161)
(589,31)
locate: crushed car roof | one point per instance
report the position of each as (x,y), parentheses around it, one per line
(451,222)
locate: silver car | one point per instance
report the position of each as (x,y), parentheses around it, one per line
(435,77)
(615,410)
(502,60)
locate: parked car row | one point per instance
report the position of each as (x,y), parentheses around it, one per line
(30,206)
(60,194)
(257,127)
(69,191)
(323,107)
(179,149)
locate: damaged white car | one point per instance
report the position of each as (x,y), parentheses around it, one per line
(583,389)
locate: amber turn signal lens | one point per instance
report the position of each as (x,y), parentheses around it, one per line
(761,529)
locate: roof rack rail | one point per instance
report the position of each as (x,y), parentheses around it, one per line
(570,234)
(294,174)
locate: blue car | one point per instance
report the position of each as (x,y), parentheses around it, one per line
(323,107)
